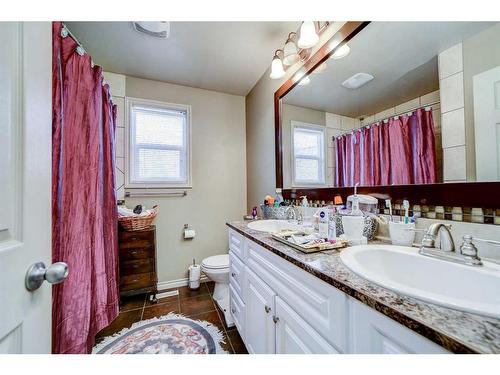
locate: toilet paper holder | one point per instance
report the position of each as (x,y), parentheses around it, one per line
(188,232)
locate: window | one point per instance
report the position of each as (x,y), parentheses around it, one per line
(158,139)
(308,146)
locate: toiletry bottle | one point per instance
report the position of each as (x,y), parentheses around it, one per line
(278,199)
(323,222)
(254,213)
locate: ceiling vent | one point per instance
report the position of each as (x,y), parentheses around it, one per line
(357,80)
(158,29)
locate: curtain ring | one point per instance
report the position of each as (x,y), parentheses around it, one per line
(80,50)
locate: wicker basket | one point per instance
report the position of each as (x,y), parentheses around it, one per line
(132,223)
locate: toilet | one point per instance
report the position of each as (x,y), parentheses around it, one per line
(216,268)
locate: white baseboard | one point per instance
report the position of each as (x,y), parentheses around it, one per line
(171,284)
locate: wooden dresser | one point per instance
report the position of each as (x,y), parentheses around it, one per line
(138,262)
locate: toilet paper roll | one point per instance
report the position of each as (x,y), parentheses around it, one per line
(189,233)
(194,272)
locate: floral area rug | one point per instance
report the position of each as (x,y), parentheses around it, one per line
(169,334)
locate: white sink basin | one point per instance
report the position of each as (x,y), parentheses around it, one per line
(402,269)
(271,226)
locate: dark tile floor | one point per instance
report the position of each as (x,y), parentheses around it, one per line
(197,304)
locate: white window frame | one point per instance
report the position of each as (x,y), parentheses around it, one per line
(320,128)
(129,158)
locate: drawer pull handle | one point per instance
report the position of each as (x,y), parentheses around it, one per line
(275,319)
(267,308)
(133,238)
(234,274)
(233,310)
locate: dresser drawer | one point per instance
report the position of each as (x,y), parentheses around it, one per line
(133,267)
(137,253)
(142,280)
(237,274)
(237,244)
(129,240)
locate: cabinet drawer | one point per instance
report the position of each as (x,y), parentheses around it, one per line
(237,244)
(237,311)
(133,267)
(138,281)
(129,240)
(237,275)
(137,253)
(323,306)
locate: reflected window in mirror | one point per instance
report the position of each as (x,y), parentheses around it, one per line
(308,152)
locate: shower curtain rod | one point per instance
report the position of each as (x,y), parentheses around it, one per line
(384,120)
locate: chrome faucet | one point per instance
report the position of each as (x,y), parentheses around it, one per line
(446,243)
(295,214)
(468,252)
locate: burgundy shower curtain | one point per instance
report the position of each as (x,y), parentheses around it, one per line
(84,218)
(396,152)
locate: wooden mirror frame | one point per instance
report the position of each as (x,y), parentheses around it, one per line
(464,194)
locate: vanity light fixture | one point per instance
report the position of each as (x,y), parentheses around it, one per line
(341,52)
(295,51)
(290,51)
(308,36)
(277,70)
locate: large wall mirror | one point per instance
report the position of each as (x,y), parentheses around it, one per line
(400,103)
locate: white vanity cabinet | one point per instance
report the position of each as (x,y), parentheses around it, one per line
(373,332)
(295,336)
(280,308)
(260,324)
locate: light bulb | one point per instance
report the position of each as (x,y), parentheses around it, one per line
(291,55)
(308,37)
(343,51)
(277,70)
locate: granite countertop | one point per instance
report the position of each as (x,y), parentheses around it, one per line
(456,331)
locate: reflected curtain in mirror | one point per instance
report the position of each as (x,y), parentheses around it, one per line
(398,151)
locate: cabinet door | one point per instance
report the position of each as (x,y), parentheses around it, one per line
(295,336)
(260,328)
(374,333)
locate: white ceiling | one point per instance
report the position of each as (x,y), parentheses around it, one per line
(228,57)
(402,56)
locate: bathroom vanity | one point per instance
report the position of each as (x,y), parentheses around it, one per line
(284,301)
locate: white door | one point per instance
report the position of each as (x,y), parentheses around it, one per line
(260,328)
(25,183)
(486,88)
(295,336)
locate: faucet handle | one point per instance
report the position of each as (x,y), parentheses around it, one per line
(491,242)
(469,250)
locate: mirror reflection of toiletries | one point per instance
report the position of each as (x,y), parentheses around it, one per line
(412,103)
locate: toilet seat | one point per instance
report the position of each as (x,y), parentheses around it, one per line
(216,262)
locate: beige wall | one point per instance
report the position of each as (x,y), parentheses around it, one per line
(261,176)
(219,176)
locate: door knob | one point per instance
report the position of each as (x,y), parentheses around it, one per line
(38,273)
